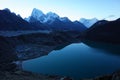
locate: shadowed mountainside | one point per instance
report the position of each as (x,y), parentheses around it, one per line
(104,31)
(10,21)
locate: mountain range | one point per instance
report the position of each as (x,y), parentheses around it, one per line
(40,21)
(102,30)
(53,21)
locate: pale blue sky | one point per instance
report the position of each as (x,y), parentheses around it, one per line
(74,9)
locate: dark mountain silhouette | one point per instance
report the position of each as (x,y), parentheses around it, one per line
(10,21)
(67,26)
(37,24)
(104,31)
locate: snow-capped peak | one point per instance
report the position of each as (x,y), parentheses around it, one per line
(65,19)
(48,18)
(38,15)
(52,15)
(88,22)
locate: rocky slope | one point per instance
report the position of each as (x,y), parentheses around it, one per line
(10,21)
(113,76)
(28,46)
(104,31)
(24,75)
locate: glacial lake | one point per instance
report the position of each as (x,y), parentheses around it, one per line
(78,60)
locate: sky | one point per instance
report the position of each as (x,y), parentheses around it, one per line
(73,9)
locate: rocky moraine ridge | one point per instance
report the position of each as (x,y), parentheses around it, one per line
(30,46)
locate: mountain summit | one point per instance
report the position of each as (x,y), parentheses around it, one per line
(38,15)
(53,21)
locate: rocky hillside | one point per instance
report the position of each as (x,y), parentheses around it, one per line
(104,31)
(28,46)
(10,21)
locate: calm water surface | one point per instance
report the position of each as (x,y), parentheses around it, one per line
(77,60)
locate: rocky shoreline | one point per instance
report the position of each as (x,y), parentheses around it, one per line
(113,76)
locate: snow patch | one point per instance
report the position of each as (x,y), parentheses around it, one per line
(88,22)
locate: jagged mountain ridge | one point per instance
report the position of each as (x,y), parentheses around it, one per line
(53,21)
(44,18)
(38,21)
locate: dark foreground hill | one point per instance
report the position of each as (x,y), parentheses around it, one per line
(104,31)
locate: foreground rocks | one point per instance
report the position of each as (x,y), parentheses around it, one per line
(7,55)
(24,75)
(114,76)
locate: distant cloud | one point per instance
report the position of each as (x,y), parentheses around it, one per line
(110,17)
